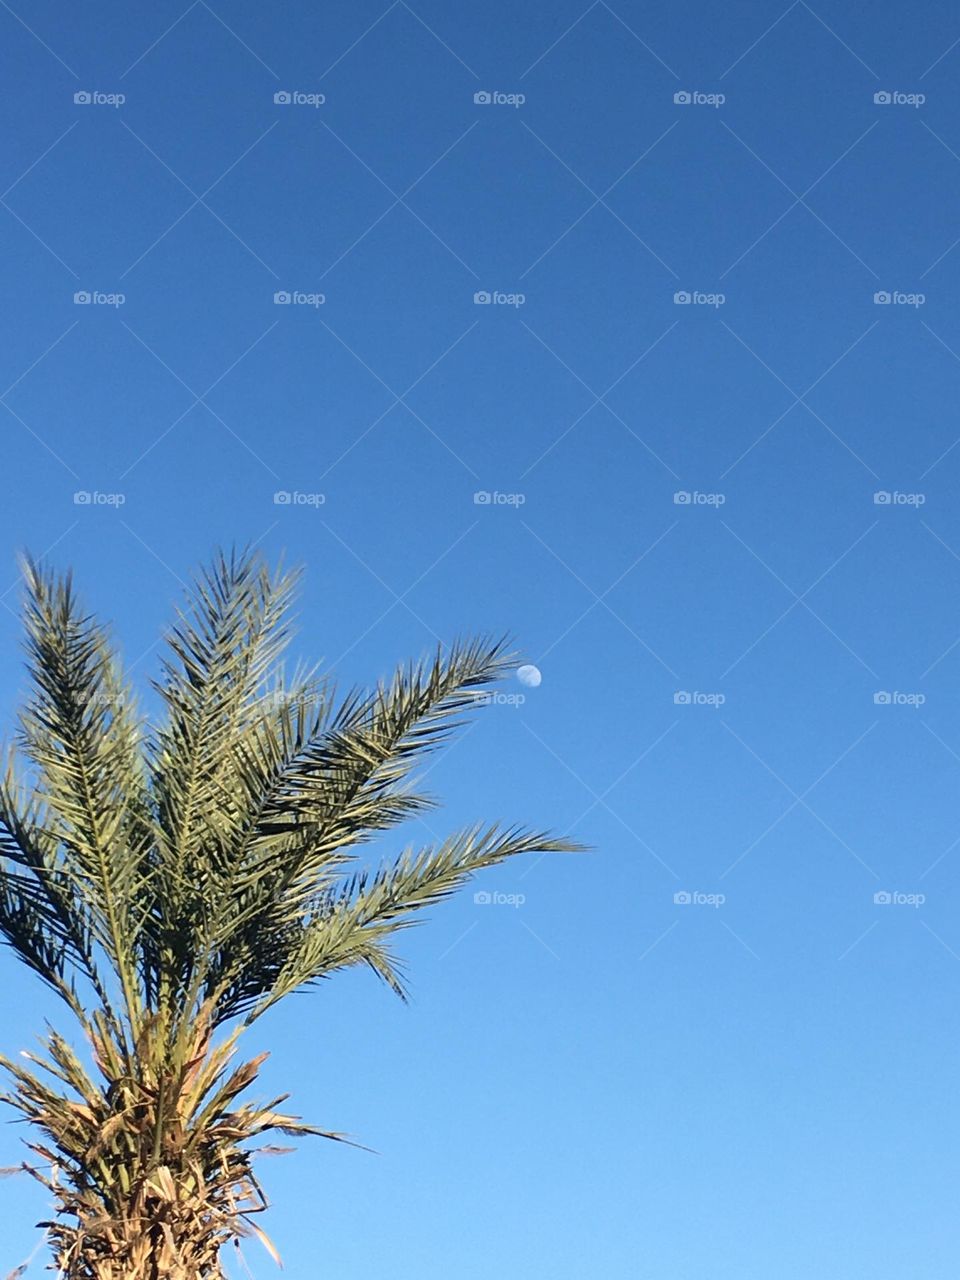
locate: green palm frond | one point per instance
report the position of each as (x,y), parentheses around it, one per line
(39,896)
(166,880)
(79,731)
(345,786)
(352,922)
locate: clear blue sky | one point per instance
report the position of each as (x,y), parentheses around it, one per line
(600,1081)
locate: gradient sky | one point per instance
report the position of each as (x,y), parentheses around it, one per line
(750,697)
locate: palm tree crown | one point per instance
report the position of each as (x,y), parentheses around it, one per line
(165,880)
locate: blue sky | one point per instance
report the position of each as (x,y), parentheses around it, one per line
(749,697)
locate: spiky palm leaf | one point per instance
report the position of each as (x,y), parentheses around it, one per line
(166,880)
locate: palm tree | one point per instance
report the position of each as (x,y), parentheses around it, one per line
(172,882)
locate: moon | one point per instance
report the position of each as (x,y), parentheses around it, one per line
(529,675)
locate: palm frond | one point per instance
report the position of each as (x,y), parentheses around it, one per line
(221,652)
(351,923)
(167,881)
(343,788)
(37,870)
(79,731)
